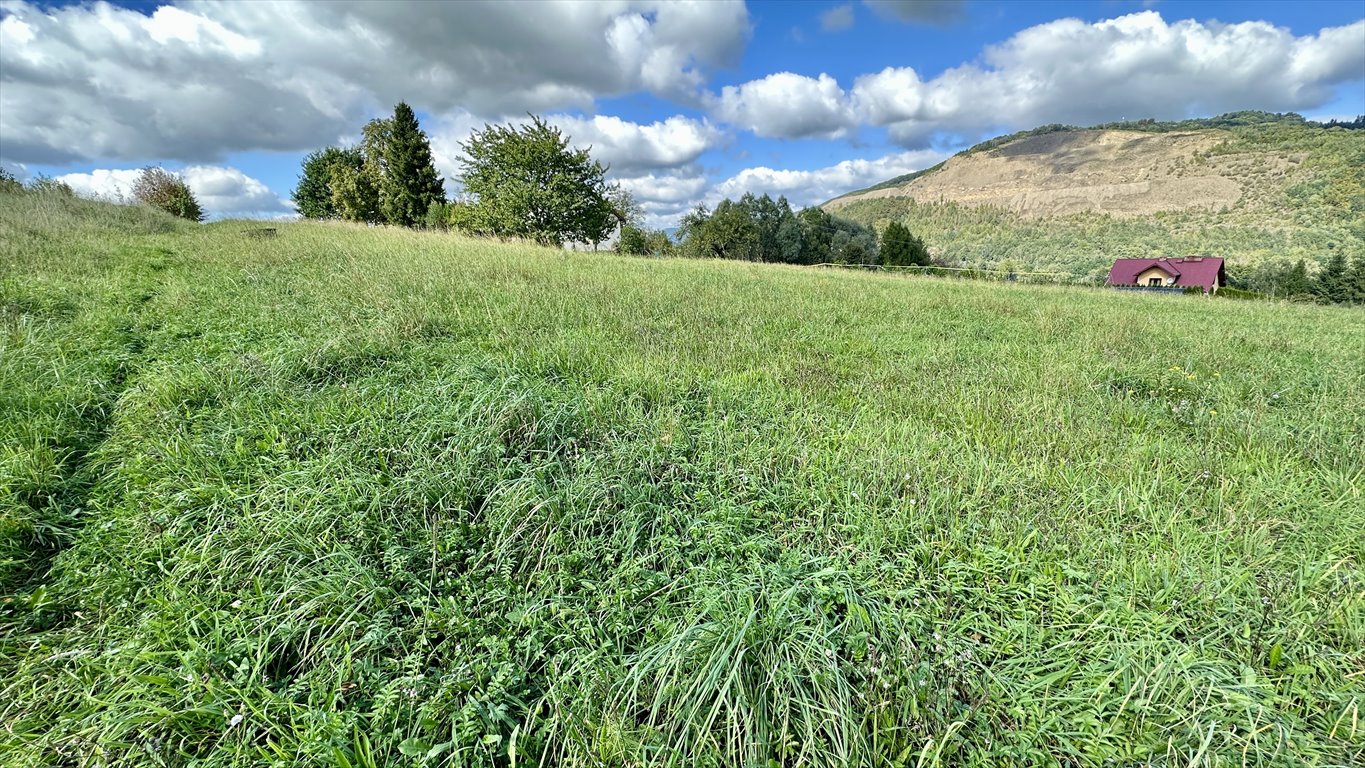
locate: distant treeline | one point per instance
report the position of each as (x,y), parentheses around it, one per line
(1150,125)
(763,229)
(1336,282)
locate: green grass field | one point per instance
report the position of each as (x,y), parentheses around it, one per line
(364,497)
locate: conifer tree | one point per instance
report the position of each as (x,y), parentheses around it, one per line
(1331,282)
(410,183)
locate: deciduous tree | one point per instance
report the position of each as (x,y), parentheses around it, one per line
(525,181)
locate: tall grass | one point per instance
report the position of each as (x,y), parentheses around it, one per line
(366,497)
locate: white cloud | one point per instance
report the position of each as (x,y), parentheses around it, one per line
(228,192)
(786,105)
(222,192)
(115,186)
(838,18)
(810,187)
(1134,66)
(195,83)
(631,147)
(666,195)
(1066,71)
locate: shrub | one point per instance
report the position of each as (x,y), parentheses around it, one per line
(8,183)
(633,240)
(159,188)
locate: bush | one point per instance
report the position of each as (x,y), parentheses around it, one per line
(633,240)
(159,188)
(8,183)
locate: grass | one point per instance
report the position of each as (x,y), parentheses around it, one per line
(364,497)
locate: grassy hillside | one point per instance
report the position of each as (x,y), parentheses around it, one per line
(364,497)
(1253,188)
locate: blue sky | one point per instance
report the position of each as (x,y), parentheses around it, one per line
(688,102)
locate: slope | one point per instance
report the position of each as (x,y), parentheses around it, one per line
(1250,187)
(353,496)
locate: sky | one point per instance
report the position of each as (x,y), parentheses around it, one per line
(687,102)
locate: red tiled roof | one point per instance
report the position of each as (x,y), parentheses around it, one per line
(1205,271)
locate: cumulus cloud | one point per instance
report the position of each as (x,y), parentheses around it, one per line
(666,195)
(919,11)
(227,192)
(630,148)
(786,105)
(198,82)
(223,192)
(837,18)
(810,187)
(1066,71)
(1133,66)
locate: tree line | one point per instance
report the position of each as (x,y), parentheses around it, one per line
(1336,282)
(519,181)
(763,229)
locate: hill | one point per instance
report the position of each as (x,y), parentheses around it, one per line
(359,496)
(1250,187)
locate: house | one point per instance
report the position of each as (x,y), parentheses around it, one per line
(1172,274)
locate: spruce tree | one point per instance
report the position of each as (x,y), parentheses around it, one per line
(1331,282)
(896,248)
(410,185)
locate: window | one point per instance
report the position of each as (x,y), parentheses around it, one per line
(1154,281)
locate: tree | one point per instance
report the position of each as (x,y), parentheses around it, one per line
(410,184)
(633,240)
(355,196)
(314,194)
(1331,283)
(900,248)
(1355,280)
(526,182)
(896,248)
(659,244)
(161,189)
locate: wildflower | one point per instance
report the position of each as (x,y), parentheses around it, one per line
(1213,413)
(236,719)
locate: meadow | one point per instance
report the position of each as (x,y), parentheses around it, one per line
(370,497)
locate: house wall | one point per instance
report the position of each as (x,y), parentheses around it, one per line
(1151,272)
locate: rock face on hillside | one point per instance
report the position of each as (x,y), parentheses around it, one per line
(1121,173)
